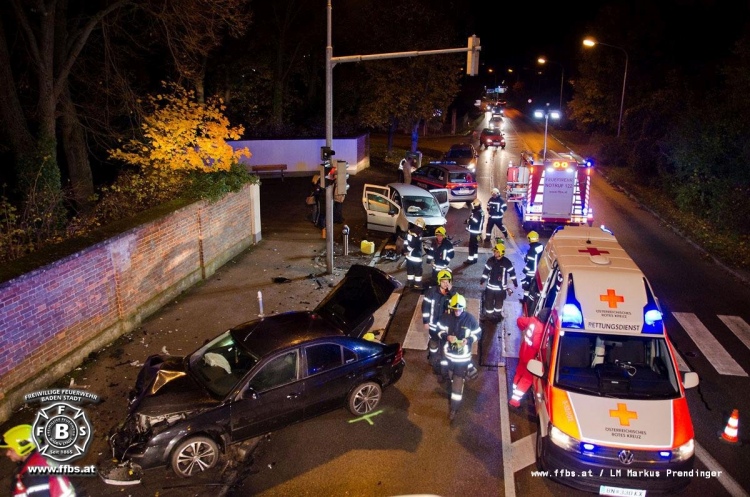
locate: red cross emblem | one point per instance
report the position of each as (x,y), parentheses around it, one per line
(611,298)
(595,251)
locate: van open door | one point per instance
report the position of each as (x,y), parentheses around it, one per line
(441,195)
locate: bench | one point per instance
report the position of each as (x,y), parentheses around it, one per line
(269,168)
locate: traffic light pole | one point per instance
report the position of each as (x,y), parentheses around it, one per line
(472,64)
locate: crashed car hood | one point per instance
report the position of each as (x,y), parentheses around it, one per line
(165,386)
(361,292)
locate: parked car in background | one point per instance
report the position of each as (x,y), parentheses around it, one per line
(261,376)
(491,138)
(392,207)
(460,182)
(463,154)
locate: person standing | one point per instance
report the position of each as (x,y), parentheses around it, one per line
(23,451)
(532,262)
(498,273)
(440,254)
(319,208)
(414,253)
(434,306)
(475,227)
(496,208)
(459,329)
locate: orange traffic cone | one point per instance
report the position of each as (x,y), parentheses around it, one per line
(730,432)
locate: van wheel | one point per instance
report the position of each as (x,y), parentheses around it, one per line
(194,455)
(539,450)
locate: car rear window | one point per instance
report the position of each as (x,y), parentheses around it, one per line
(461,177)
(459,152)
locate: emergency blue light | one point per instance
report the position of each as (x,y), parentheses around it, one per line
(666,454)
(652,315)
(572,316)
(588,447)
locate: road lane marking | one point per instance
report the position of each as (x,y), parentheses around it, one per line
(509,478)
(708,345)
(734,488)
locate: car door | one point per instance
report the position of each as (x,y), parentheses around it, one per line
(441,195)
(332,370)
(382,212)
(272,398)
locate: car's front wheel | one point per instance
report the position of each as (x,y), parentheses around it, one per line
(364,398)
(194,455)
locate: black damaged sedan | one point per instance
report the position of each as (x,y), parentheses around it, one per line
(261,376)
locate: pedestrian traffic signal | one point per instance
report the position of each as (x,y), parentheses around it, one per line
(327,173)
(342,177)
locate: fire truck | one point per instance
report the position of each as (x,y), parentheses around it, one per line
(551,192)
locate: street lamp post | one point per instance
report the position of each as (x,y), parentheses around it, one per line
(590,42)
(546,114)
(544,60)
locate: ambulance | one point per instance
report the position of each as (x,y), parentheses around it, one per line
(612,416)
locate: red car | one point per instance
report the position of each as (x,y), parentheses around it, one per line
(491,138)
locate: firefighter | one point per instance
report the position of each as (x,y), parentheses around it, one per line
(441,254)
(460,330)
(532,262)
(414,252)
(532,338)
(496,208)
(23,451)
(475,228)
(498,273)
(434,305)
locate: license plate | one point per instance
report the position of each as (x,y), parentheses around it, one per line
(621,492)
(463,191)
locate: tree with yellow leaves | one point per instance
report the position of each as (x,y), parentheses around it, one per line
(181,135)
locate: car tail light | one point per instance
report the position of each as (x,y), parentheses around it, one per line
(398,357)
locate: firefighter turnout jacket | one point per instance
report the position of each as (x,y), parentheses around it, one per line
(466,331)
(440,256)
(413,245)
(498,273)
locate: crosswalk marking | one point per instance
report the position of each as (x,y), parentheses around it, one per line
(739,327)
(708,345)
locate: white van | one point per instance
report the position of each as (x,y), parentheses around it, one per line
(610,401)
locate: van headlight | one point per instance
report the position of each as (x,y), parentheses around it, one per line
(684,451)
(563,441)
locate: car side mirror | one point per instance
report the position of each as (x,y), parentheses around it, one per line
(249,393)
(690,379)
(392,211)
(535,367)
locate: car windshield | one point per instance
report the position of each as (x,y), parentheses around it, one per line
(421,206)
(619,366)
(220,364)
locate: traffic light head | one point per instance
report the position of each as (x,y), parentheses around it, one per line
(342,177)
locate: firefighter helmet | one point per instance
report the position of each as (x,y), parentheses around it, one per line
(444,274)
(420,222)
(457,302)
(499,247)
(495,191)
(19,439)
(533,236)
(440,231)
(476,202)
